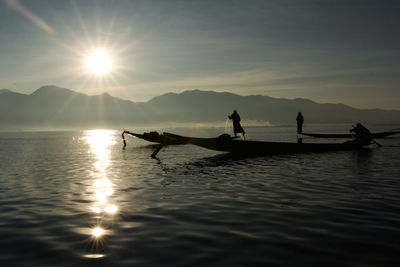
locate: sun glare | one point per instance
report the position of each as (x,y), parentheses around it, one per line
(97,232)
(99,62)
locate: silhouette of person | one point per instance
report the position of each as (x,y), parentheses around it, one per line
(361,133)
(237,128)
(300,121)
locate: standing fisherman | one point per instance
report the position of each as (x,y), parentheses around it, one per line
(300,121)
(237,128)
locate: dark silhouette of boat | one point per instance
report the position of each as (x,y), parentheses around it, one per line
(374,135)
(154,137)
(226,143)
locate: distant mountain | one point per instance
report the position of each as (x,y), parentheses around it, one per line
(205,106)
(52,107)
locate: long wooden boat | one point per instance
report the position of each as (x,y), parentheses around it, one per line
(374,135)
(154,137)
(226,143)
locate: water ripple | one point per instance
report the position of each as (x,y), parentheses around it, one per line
(78,199)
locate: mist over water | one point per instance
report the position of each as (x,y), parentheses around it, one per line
(77,198)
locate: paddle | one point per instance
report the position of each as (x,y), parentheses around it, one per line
(379,145)
(154,154)
(123,138)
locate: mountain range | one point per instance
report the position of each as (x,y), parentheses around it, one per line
(55,107)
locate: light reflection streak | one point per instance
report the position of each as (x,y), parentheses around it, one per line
(93,256)
(100,142)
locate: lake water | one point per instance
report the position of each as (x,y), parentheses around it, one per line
(76,198)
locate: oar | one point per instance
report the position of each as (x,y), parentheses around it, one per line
(154,154)
(123,138)
(379,145)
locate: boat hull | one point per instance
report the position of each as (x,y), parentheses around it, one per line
(374,135)
(226,144)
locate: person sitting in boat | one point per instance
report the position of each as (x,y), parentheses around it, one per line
(237,128)
(300,121)
(361,134)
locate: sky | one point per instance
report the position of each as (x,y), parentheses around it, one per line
(342,51)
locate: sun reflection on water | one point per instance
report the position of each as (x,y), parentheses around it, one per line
(112,209)
(100,142)
(103,207)
(97,231)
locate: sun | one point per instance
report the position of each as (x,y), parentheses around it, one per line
(99,62)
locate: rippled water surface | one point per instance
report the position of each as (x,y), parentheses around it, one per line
(78,198)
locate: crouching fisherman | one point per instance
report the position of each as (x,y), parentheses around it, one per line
(361,134)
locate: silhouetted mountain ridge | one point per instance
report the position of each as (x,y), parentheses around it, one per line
(52,106)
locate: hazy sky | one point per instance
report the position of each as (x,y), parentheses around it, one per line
(328,51)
